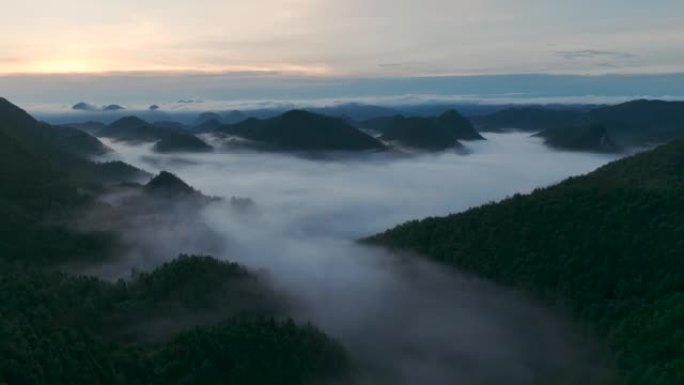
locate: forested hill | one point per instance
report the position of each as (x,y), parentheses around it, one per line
(45,174)
(195,320)
(609,246)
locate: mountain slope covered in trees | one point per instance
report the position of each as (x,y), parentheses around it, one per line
(60,329)
(195,320)
(609,246)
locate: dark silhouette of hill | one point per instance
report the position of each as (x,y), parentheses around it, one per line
(169,138)
(113,107)
(355,111)
(461,127)
(421,133)
(83,106)
(131,128)
(168,184)
(642,122)
(428,133)
(591,138)
(41,137)
(527,119)
(607,246)
(195,320)
(181,143)
(303,131)
(44,173)
(632,124)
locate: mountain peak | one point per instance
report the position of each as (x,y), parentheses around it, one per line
(113,107)
(169,184)
(83,106)
(128,122)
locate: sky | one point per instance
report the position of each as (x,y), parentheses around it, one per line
(276,40)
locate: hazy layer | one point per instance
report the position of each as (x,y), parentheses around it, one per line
(406,320)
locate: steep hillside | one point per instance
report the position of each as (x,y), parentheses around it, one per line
(608,246)
(195,320)
(58,329)
(43,178)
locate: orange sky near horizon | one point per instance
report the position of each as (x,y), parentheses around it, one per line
(342,38)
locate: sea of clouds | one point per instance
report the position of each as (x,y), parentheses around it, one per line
(404,319)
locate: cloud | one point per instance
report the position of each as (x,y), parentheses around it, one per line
(406,321)
(594,54)
(338,37)
(10,59)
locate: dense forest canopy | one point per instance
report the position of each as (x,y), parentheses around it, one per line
(609,246)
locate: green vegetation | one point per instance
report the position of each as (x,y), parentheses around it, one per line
(257,352)
(608,246)
(194,320)
(59,329)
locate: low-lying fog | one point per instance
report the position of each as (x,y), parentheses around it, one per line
(407,321)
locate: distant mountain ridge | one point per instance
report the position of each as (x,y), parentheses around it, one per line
(299,130)
(526,119)
(168,138)
(436,133)
(592,138)
(634,123)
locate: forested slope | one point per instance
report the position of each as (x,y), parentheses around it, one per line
(609,246)
(195,320)
(60,329)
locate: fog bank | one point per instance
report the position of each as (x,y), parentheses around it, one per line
(406,320)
